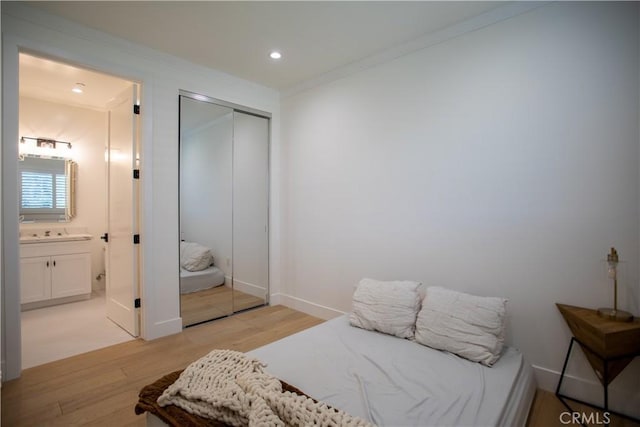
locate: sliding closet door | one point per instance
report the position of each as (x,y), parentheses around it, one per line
(250,210)
(206,153)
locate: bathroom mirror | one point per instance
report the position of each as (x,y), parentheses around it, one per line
(224,181)
(47,188)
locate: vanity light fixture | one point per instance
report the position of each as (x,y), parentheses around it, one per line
(44,142)
(78,88)
(275,55)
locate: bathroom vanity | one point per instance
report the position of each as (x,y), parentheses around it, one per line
(54,268)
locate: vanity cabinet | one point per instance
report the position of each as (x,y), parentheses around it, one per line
(52,273)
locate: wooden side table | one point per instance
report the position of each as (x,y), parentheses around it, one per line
(608,345)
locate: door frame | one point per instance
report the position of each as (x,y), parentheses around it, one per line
(11,346)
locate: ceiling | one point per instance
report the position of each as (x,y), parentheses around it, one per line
(52,81)
(315,37)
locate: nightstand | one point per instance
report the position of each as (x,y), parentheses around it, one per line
(608,345)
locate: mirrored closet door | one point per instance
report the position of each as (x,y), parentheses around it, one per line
(224,184)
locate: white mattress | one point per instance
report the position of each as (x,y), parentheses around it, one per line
(193,281)
(396,382)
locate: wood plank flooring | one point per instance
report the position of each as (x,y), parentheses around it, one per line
(100,388)
(547,409)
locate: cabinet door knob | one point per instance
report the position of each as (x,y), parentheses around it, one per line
(54,263)
(47,263)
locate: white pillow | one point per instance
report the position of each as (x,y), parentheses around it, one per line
(388,307)
(194,257)
(469,326)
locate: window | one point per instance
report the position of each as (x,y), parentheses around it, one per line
(44,192)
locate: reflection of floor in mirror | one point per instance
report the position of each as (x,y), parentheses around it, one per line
(213,303)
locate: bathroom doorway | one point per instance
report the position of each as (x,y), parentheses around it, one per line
(79,241)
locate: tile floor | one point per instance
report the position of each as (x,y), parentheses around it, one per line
(64,330)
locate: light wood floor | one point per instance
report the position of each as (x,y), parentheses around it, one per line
(100,388)
(547,409)
(213,303)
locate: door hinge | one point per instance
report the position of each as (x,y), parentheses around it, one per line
(136,174)
(105,237)
(136,303)
(136,239)
(136,109)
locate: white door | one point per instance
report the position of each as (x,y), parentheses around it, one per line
(121,261)
(250,209)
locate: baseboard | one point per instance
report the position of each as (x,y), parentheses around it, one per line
(249,288)
(54,301)
(164,328)
(305,306)
(620,399)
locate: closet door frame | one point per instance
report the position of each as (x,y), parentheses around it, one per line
(259,113)
(237,107)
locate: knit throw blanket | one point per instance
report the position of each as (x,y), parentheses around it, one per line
(229,386)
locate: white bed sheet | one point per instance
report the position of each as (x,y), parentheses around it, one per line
(193,281)
(396,382)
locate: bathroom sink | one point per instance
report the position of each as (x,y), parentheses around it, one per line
(41,238)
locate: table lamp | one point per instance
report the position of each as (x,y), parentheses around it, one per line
(614,313)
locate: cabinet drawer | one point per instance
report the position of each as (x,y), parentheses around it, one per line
(49,249)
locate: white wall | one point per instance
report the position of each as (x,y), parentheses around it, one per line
(503,162)
(206,184)
(162,76)
(86,129)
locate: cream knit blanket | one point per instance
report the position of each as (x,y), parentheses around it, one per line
(228,386)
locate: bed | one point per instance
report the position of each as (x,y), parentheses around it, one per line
(193,281)
(384,363)
(397,382)
(197,270)
(392,381)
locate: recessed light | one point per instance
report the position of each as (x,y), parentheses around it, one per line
(78,88)
(275,55)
